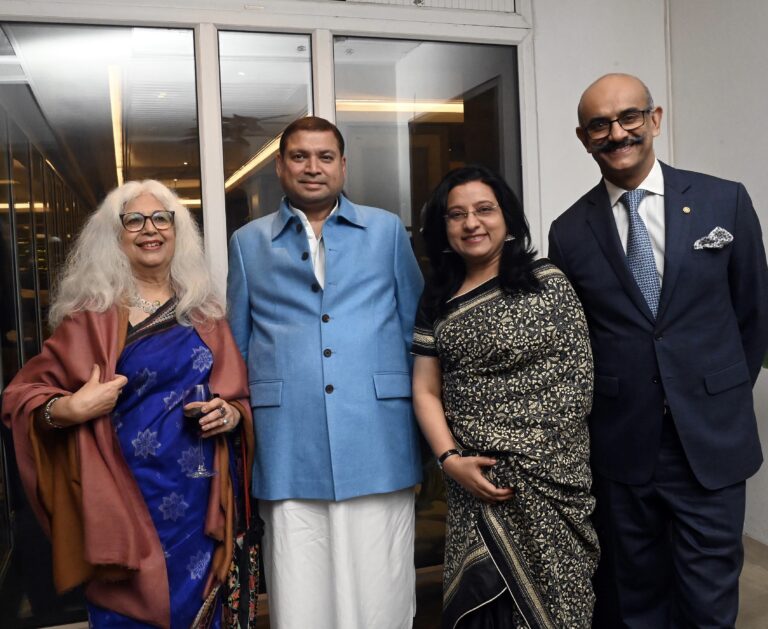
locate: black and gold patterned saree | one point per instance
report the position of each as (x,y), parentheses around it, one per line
(517,385)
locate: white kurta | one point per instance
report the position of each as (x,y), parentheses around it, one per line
(340,565)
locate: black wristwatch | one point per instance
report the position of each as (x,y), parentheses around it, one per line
(445,455)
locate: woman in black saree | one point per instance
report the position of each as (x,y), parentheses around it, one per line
(502,386)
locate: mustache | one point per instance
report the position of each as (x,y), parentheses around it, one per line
(612,146)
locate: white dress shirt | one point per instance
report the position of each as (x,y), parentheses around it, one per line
(651,210)
(316,245)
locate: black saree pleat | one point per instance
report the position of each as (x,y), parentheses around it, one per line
(476,585)
(511,566)
(492,582)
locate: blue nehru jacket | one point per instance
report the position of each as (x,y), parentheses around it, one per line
(329,368)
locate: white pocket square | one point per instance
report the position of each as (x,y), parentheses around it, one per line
(716,239)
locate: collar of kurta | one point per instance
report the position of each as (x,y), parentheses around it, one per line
(347,212)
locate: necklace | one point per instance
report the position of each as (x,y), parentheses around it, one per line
(150,307)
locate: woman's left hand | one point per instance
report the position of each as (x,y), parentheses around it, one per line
(220,417)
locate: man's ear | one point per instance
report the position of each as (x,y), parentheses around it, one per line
(655,121)
(279,164)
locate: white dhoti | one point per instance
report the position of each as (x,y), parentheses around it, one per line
(340,565)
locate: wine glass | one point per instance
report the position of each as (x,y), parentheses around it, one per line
(194,398)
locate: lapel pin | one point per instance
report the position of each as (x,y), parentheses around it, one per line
(686,210)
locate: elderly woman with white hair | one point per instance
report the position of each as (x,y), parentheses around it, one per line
(109,463)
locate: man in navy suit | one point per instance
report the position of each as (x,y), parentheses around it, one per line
(671,270)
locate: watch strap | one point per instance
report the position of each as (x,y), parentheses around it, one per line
(441,459)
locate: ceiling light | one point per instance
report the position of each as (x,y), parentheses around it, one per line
(402,106)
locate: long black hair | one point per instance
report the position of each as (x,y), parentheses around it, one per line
(448,268)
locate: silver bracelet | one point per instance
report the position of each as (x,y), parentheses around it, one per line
(47,413)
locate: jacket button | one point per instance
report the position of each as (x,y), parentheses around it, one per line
(304,256)
(329,388)
(655,380)
(298,227)
(315,287)
(658,337)
(327,353)
(325,318)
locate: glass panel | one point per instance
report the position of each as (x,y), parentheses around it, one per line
(5,514)
(410,111)
(87,107)
(9,348)
(25,242)
(41,238)
(266,83)
(61,229)
(50,224)
(9,345)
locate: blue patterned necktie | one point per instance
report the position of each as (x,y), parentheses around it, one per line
(639,251)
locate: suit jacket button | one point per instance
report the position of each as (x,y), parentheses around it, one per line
(329,388)
(315,287)
(655,380)
(304,256)
(327,353)
(325,318)
(658,337)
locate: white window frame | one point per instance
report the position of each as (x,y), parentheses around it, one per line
(322,21)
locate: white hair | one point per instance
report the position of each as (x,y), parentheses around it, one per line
(97,273)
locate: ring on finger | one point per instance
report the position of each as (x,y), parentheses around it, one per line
(224,422)
(222,411)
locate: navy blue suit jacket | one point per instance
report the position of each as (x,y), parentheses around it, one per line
(703,352)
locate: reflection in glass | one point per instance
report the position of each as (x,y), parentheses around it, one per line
(410,111)
(25,243)
(107,104)
(82,109)
(9,351)
(413,110)
(38,206)
(266,83)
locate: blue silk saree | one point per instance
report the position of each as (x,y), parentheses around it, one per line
(161,360)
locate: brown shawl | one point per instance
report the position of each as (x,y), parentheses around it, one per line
(80,486)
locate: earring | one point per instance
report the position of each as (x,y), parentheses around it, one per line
(509,238)
(447,250)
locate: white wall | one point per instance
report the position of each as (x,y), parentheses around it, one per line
(575,43)
(718,60)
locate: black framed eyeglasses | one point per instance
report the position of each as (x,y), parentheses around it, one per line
(135,221)
(600,128)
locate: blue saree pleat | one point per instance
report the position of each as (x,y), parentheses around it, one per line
(161,448)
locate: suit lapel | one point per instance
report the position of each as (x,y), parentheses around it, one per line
(603,225)
(677,225)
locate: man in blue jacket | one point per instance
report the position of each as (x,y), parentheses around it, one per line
(670,267)
(322,299)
